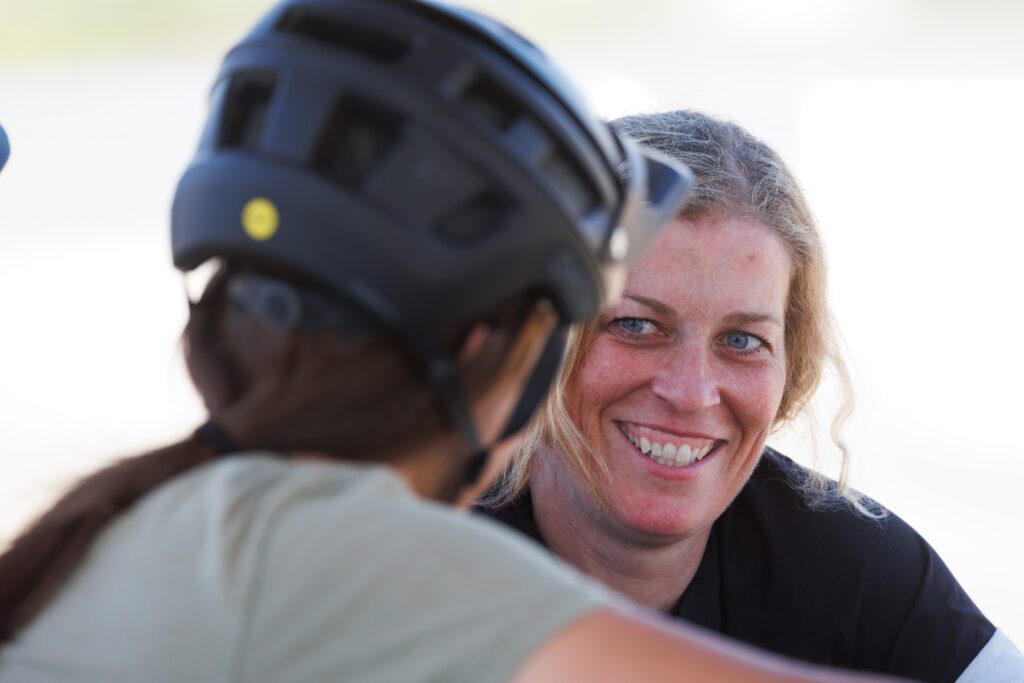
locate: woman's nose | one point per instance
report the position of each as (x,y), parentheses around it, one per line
(686,379)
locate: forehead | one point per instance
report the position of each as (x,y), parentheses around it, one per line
(716,261)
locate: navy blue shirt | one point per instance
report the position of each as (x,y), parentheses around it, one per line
(831,587)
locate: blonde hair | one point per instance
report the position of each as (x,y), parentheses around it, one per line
(735,174)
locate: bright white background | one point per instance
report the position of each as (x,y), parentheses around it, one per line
(902,118)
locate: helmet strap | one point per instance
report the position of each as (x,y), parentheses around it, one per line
(544,373)
(451,399)
(441,376)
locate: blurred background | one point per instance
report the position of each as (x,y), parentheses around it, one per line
(902,119)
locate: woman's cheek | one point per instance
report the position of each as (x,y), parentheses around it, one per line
(755,395)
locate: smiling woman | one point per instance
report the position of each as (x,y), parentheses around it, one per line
(648,466)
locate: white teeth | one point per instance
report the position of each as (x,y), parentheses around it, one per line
(681,455)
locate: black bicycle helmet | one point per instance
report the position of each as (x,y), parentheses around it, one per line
(421,163)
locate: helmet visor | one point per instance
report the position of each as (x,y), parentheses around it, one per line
(656,191)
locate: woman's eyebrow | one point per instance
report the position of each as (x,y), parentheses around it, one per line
(751,318)
(740,318)
(653,304)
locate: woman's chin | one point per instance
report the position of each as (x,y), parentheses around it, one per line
(670,520)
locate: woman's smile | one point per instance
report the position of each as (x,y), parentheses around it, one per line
(675,450)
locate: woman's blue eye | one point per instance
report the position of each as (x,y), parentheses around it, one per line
(741,341)
(635,325)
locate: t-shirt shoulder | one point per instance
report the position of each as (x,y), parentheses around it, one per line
(834,527)
(372,580)
(876,582)
(256,568)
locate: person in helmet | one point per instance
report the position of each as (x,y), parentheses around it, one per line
(404,205)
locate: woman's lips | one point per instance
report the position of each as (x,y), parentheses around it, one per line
(669,449)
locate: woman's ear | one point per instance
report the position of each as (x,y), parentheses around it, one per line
(473,342)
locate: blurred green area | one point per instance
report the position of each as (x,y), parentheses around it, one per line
(41,30)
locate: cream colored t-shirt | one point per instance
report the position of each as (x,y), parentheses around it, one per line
(259,569)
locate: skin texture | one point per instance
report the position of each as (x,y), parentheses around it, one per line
(610,647)
(694,354)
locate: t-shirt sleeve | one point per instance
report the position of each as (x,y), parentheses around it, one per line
(925,625)
(998,662)
(372,588)
(832,586)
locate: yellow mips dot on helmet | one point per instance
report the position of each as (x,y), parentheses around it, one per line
(260,219)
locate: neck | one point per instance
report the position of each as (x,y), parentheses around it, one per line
(652,570)
(436,470)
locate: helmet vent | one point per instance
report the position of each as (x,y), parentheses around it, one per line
(491,103)
(358,136)
(494,104)
(245,109)
(473,220)
(347,35)
(568,176)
